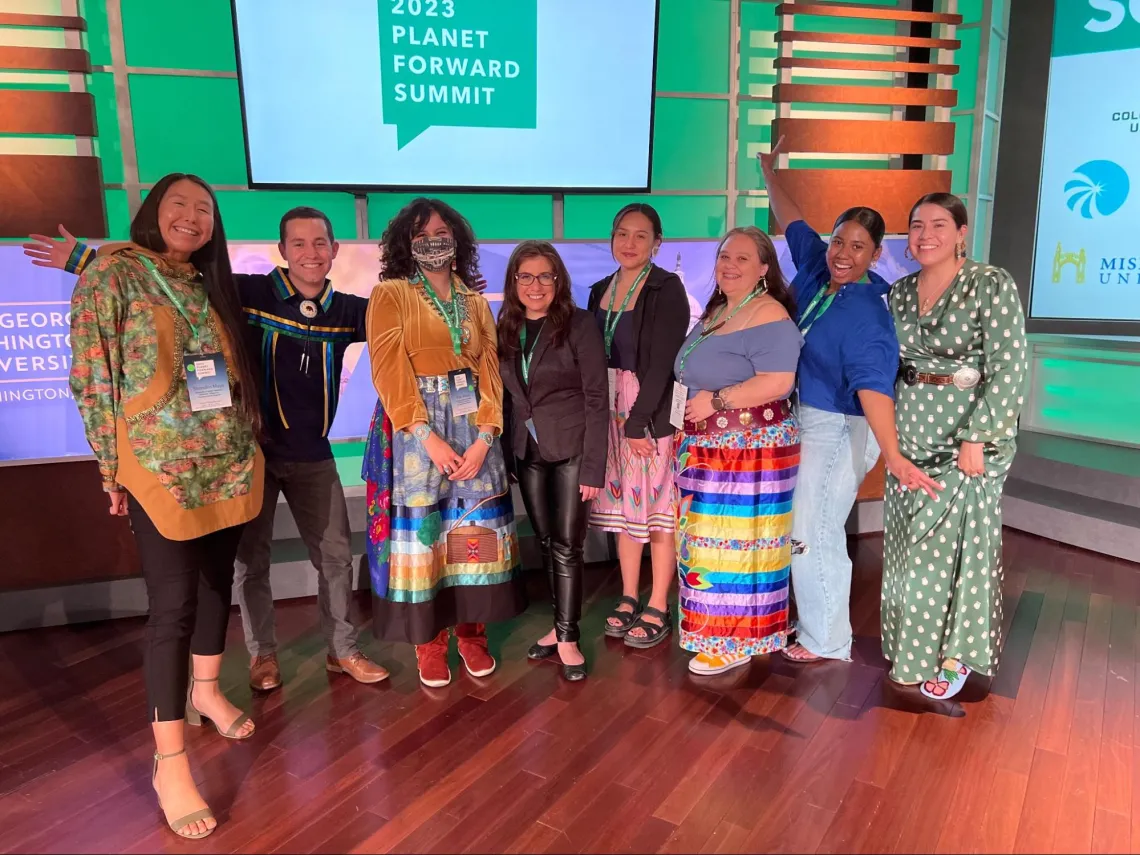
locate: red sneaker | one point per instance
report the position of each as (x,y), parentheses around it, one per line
(473,649)
(431,659)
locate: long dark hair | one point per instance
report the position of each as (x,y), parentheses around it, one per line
(512,315)
(396,241)
(777,286)
(212,260)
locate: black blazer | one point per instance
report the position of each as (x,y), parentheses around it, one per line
(566,398)
(660,323)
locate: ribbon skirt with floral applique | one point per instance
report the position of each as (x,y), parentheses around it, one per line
(411,509)
(734,538)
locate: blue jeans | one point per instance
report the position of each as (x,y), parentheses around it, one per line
(836,451)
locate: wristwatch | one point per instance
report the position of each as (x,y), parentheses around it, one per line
(717,402)
(487,437)
(421,432)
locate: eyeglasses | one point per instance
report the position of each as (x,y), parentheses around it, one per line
(546,279)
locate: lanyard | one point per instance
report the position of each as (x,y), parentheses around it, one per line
(451,318)
(166,289)
(712,325)
(612,318)
(527,357)
(806,320)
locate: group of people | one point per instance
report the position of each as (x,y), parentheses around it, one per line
(734,449)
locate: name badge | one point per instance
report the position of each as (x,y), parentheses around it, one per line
(677,407)
(464,400)
(531,429)
(612,376)
(207,381)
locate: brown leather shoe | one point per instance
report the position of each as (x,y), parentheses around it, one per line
(359,667)
(264,673)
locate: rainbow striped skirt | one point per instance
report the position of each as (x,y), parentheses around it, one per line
(734,537)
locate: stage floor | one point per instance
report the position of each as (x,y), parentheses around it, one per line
(638,758)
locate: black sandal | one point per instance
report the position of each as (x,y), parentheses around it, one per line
(628,619)
(654,634)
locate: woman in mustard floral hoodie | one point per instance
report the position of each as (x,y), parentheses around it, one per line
(170,407)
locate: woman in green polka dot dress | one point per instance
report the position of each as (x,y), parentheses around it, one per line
(962,348)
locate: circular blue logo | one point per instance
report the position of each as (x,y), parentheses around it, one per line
(1099,189)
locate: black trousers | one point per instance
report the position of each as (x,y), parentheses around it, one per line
(559,516)
(189,585)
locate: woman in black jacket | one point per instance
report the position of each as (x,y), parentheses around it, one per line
(643,313)
(553,366)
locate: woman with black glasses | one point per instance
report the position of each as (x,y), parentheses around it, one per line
(553,366)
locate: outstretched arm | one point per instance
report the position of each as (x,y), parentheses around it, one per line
(780,202)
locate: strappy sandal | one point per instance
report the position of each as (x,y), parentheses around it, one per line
(654,634)
(628,619)
(194,718)
(190,818)
(805,656)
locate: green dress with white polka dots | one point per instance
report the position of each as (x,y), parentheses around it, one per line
(942,565)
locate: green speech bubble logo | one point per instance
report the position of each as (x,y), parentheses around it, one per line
(458,63)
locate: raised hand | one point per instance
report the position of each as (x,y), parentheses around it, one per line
(768,161)
(45,251)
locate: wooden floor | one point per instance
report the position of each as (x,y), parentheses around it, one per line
(639,758)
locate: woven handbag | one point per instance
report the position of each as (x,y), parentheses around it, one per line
(473,544)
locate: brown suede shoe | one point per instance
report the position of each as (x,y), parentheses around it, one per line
(264,673)
(359,667)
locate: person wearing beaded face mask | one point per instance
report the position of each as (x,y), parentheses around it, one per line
(442,548)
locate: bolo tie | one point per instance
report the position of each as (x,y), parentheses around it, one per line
(309,310)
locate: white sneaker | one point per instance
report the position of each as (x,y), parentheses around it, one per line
(704,664)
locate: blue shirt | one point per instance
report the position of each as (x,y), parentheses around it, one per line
(852,346)
(725,359)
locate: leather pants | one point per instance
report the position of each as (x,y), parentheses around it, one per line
(559,517)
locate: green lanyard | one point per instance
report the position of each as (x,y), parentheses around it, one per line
(806,320)
(527,357)
(451,318)
(612,318)
(708,330)
(166,289)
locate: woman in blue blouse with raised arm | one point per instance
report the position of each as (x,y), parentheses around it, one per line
(846,406)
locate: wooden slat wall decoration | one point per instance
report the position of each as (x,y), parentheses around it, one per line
(895,96)
(57,22)
(843,136)
(45,59)
(865,65)
(25,111)
(42,190)
(867,12)
(823,193)
(865,39)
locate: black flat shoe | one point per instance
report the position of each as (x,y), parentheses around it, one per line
(542,651)
(574,673)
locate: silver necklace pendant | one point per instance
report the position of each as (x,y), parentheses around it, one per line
(308,309)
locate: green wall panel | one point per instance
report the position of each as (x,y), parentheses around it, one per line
(971,10)
(591,217)
(212,147)
(959,161)
(163,34)
(758,24)
(492,216)
(754,134)
(690,144)
(97,40)
(692,46)
(255,215)
(966,58)
(752,211)
(118,214)
(102,87)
